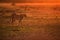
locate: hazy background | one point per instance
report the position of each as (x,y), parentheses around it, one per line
(42,22)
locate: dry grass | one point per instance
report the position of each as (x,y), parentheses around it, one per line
(34,27)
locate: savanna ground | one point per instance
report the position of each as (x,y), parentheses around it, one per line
(42,23)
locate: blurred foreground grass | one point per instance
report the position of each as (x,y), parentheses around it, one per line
(33,32)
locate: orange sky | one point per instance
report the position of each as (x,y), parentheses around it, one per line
(32,1)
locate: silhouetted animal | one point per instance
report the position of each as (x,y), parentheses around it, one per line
(18,17)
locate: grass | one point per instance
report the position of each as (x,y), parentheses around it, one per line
(49,31)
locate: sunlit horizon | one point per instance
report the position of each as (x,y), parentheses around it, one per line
(31,3)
